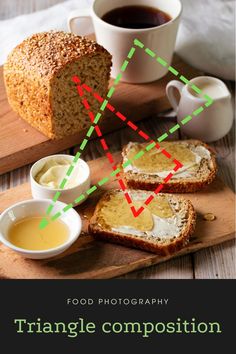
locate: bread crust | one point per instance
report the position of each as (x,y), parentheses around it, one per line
(174,185)
(162,249)
(44,54)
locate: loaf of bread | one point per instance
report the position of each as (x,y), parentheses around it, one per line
(148,172)
(38,79)
(164,227)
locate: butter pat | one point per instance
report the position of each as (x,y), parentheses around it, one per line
(54,171)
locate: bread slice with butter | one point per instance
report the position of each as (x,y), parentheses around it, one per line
(198,160)
(164,226)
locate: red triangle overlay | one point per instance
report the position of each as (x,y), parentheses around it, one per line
(178,164)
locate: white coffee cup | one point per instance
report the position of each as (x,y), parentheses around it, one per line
(215,120)
(118,41)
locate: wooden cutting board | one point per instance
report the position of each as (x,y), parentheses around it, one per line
(21,144)
(90,259)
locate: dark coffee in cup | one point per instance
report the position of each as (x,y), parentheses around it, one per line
(124,27)
(136,17)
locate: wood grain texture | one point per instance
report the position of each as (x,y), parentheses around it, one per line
(214,262)
(88,258)
(177,268)
(219,263)
(30,145)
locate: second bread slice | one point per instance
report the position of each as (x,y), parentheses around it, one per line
(148,172)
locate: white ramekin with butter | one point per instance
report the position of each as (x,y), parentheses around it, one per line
(47,174)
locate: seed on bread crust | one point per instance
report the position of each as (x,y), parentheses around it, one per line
(209,217)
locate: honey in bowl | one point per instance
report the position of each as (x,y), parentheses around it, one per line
(25,233)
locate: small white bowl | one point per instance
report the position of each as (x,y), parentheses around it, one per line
(38,207)
(66,195)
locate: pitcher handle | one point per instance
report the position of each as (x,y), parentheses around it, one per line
(172,88)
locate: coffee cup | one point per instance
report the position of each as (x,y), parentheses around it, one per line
(119,40)
(203,107)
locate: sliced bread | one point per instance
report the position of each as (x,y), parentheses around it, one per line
(148,172)
(164,226)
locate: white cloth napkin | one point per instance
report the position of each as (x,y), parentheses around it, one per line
(205,39)
(14,30)
(206,36)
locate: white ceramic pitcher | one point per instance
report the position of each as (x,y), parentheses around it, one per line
(215,120)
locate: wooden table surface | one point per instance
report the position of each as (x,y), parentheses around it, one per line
(212,263)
